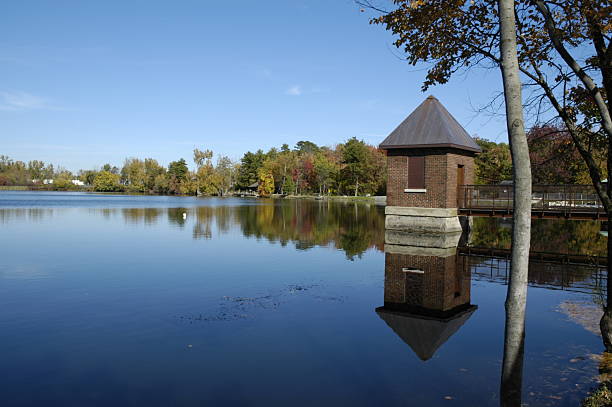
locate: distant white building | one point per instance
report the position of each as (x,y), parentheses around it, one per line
(78,182)
(47,181)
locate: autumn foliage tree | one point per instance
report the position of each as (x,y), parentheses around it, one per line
(266,183)
(555,158)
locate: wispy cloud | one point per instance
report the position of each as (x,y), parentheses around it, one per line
(295,90)
(14,101)
(298,90)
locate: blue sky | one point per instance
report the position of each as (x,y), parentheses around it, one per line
(83,83)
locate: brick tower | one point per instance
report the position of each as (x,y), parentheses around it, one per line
(429,156)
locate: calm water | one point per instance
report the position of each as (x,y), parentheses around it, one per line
(158,301)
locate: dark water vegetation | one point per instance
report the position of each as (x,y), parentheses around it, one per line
(134,300)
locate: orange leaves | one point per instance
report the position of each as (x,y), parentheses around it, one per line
(417,3)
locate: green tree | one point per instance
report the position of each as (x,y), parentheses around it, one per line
(36,169)
(133,174)
(494,164)
(226,171)
(106,181)
(14,172)
(285,165)
(152,170)
(306,147)
(189,186)
(178,169)
(249,168)
(357,168)
(326,170)
(177,175)
(207,178)
(161,185)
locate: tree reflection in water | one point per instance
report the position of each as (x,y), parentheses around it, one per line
(352,228)
(514,352)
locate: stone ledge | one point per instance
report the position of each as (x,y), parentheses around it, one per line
(424,224)
(416,239)
(421,212)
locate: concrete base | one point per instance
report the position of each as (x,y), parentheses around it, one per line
(415,239)
(423,220)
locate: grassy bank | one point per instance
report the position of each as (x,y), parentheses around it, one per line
(340,198)
(335,198)
(13,188)
(41,188)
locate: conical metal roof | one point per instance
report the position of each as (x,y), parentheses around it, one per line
(430,125)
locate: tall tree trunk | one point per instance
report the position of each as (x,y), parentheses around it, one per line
(516,299)
(605,324)
(606,320)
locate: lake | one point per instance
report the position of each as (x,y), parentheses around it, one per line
(149,300)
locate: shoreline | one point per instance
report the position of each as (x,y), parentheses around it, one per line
(379,200)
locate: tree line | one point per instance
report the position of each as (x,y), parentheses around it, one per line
(350,168)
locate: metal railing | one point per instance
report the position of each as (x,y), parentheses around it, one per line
(581,278)
(546,200)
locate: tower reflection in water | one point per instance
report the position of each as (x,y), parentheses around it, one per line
(427,289)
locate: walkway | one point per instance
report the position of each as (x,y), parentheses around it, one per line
(547,201)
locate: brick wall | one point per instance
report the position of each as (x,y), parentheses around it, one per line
(440,177)
(444,285)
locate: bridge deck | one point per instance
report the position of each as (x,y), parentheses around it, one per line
(547,201)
